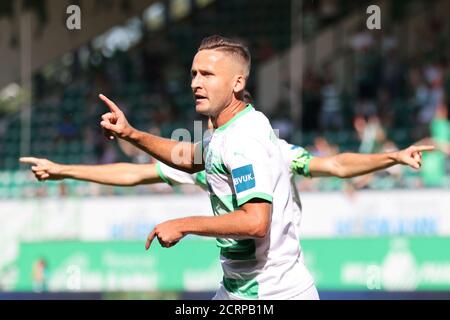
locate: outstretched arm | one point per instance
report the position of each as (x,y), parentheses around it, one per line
(252,220)
(180,155)
(348,165)
(116,174)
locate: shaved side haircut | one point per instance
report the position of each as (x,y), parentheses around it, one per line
(233,47)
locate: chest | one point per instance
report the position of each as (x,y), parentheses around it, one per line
(218,176)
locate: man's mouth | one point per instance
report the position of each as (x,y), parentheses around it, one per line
(199,98)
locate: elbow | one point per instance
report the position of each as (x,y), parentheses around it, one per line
(260,230)
(331,167)
(260,234)
(131,180)
(339,171)
(344,174)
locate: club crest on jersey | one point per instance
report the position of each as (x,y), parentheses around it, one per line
(243,178)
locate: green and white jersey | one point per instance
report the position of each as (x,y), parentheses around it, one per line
(296,159)
(244,161)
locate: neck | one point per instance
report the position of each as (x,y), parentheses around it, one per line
(228,113)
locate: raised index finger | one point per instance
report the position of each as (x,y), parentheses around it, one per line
(150,238)
(112,106)
(423,148)
(29,160)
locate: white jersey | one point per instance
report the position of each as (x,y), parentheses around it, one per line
(296,160)
(243,162)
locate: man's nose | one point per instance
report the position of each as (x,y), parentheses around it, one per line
(195,83)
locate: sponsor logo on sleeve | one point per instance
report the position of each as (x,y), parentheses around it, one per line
(243,178)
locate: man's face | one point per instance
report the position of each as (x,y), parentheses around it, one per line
(213,75)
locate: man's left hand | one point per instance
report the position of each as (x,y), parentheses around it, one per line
(168,234)
(412,156)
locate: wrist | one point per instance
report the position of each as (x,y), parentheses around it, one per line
(133,135)
(394,157)
(183,226)
(63,170)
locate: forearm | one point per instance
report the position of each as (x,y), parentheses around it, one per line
(349,165)
(117,174)
(236,225)
(179,155)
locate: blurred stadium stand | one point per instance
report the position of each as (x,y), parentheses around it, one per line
(367,75)
(357,90)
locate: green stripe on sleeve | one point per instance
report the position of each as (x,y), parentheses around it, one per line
(300,164)
(162,175)
(258,195)
(200,179)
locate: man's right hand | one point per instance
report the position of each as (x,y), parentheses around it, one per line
(114,122)
(44,169)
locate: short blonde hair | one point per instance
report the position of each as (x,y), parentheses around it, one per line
(233,47)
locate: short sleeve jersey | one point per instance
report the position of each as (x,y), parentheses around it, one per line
(244,161)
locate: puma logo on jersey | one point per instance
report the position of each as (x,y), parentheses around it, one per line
(243,178)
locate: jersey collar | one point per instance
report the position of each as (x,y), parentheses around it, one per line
(247,109)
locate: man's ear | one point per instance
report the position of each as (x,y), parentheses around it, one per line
(239,83)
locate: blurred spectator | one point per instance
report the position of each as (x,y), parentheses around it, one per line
(370,133)
(376,72)
(386,108)
(367,68)
(63,190)
(136,154)
(435,94)
(329,9)
(392,69)
(67,130)
(322,148)
(433,170)
(109,154)
(40,275)
(310,101)
(331,107)
(310,19)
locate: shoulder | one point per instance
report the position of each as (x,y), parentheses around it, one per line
(255,126)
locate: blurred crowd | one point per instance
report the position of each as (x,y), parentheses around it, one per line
(389,100)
